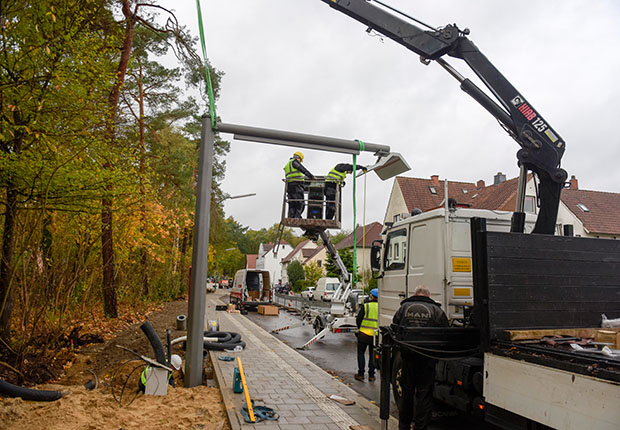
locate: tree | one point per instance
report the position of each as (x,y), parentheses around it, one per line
(53,68)
(346,255)
(313,272)
(295,272)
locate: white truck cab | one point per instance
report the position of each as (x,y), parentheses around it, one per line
(433,249)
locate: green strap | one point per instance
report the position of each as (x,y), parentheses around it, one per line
(362,147)
(207,74)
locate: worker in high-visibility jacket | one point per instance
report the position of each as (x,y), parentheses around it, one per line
(175,362)
(295,172)
(368,324)
(336,178)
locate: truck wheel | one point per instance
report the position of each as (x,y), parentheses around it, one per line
(397,372)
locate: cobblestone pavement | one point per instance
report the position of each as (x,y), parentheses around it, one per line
(280,378)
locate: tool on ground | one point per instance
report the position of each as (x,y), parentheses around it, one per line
(262,413)
(237,384)
(225,358)
(246,392)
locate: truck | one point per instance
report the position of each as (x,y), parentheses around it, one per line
(502,289)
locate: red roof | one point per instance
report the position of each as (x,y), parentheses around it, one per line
(501,197)
(418,192)
(372,232)
(601,209)
(250,261)
(290,255)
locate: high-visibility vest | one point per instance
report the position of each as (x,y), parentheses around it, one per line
(291,173)
(370,323)
(336,176)
(146,371)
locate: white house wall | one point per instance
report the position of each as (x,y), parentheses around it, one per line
(396,203)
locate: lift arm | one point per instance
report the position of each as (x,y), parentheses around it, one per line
(541,147)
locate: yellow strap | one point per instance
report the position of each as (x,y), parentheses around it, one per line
(245,391)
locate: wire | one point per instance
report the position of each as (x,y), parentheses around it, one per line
(424,351)
(364,235)
(404,14)
(119,400)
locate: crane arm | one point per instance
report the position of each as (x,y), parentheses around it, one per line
(542,147)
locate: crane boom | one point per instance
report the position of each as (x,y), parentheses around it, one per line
(542,147)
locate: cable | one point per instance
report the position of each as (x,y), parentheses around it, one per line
(422,351)
(364,235)
(120,399)
(207,74)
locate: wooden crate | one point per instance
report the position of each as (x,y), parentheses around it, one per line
(268,310)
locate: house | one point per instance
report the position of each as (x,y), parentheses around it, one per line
(588,213)
(250,261)
(297,254)
(318,256)
(270,261)
(364,236)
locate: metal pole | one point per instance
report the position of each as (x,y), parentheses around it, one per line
(518,217)
(288,138)
(198,283)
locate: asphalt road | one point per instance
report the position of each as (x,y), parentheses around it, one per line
(337,355)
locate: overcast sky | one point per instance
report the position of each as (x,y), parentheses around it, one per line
(301,66)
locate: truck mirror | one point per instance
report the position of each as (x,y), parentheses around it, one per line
(375,258)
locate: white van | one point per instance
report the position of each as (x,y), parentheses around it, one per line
(325,289)
(251,288)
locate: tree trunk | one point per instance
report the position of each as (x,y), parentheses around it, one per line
(6,295)
(144,252)
(107,245)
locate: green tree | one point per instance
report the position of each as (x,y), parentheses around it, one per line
(295,272)
(346,255)
(313,272)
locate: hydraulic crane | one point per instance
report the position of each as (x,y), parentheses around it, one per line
(541,146)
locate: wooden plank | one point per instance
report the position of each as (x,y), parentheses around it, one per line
(538,334)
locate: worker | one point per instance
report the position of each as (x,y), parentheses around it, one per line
(294,173)
(335,178)
(175,362)
(368,324)
(418,374)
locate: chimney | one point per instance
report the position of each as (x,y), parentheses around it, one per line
(480,184)
(574,184)
(435,180)
(499,178)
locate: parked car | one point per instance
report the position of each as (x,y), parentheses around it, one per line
(325,289)
(308,293)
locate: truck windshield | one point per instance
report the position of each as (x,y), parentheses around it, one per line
(396,250)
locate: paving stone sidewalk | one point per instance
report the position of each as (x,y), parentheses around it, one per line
(284,380)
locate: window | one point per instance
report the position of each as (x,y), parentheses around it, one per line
(530,203)
(396,218)
(319,262)
(464,190)
(583,207)
(396,250)
(432,189)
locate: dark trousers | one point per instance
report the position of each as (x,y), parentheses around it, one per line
(295,194)
(330,199)
(417,383)
(361,362)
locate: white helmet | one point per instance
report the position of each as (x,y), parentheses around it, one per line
(175,361)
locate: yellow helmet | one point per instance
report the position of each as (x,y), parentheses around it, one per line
(300,155)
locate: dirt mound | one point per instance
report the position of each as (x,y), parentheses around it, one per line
(182,408)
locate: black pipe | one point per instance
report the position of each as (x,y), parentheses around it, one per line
(169,344)
(386,376)
(158,348)
(10,390)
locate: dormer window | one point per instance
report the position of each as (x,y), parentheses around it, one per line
(583,207)
(432,189)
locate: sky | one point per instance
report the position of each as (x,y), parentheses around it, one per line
(299,65)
